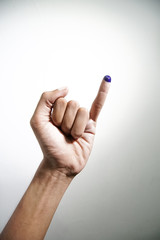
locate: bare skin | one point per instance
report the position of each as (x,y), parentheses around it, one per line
(65,133)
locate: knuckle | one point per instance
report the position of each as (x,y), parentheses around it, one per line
(83,110)
(73,103)
(61,101)
(44,95)
(33,122)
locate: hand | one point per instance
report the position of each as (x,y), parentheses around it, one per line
(66,131)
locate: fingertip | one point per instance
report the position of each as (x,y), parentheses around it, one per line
(63,88)
(107,78)
(100,98)
(105,84)
(63,91)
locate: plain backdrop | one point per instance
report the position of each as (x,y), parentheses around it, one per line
(50,44)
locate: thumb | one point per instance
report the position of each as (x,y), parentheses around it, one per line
(47,100)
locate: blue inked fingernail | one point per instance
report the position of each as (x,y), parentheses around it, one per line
(107,78)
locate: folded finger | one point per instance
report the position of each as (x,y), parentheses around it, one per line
(69,116)
(80,123)
(59,109)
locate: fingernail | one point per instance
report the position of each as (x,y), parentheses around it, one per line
(62,88)
(107,78)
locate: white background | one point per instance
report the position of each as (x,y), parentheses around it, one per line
(49,44)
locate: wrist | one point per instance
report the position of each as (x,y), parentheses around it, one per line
(50,173)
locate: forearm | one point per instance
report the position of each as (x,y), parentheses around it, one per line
(34,213)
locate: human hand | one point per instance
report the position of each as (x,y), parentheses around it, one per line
(66,131)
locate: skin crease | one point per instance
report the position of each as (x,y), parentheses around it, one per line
(67,153)
(64,152)
(65,133)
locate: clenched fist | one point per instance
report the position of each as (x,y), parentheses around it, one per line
(66,131)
